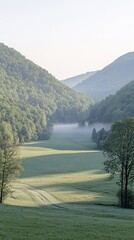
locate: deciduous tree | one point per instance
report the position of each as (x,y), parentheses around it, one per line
(10,165)
(119,148)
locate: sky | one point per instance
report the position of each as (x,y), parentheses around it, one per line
(68,37)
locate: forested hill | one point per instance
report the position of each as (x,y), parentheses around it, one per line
(110,79)
(30,97)
(116,107)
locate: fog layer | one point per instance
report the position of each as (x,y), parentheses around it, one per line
(66,129)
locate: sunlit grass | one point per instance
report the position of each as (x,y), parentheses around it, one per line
(70,169)
(26,152)
(70,173)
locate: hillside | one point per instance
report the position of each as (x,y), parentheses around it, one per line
(110,79)
(30,97)
(116,107)
(73,81)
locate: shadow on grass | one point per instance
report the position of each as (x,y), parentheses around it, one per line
(62,163)
(84,208)
(101,185)
(66,144)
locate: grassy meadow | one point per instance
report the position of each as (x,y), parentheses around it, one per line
(64,193)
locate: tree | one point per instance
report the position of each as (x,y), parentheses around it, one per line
(119,148)
(10,165)
(94,135)
(82,123)
(99,137)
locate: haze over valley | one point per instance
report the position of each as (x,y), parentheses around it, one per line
(73,81)
(66,143)
(55,126)
(110,79)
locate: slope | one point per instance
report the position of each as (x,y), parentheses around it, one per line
(116,107)
(110,79)
(30,96)
(73,81)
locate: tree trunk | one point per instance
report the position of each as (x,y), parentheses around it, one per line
(1,190)
(126,187)
(122,188)
(2,183)
(1,195)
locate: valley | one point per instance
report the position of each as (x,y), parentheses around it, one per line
(64,188)
(66,120)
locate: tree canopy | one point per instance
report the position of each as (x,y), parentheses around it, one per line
(99,137)
(10,165)
(31,98)
(119,150)
(115,107)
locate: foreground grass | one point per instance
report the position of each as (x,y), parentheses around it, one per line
(25,223)
(70,170)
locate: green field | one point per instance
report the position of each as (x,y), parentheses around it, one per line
(64,193)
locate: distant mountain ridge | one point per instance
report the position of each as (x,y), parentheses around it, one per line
(110,79)
(125,57)
(73,81)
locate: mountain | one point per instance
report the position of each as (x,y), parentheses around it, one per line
(116,107)
(30,97)
(110,79)
(73,81)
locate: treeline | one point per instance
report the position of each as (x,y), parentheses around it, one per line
(99,137)
(115,107)
(31,98)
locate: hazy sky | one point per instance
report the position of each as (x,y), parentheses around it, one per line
(68,37)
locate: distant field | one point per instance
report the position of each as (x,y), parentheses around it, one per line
(64,193)
(68,166)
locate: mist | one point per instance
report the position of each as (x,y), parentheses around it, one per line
(66,130)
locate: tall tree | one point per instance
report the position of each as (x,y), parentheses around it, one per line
(99,137)
(119,148)
(94,135)
(10,165)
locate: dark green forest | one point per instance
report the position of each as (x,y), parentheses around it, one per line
(115,107)
(31,98)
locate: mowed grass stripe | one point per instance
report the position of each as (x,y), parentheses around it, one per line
(68,168)
(72,176)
